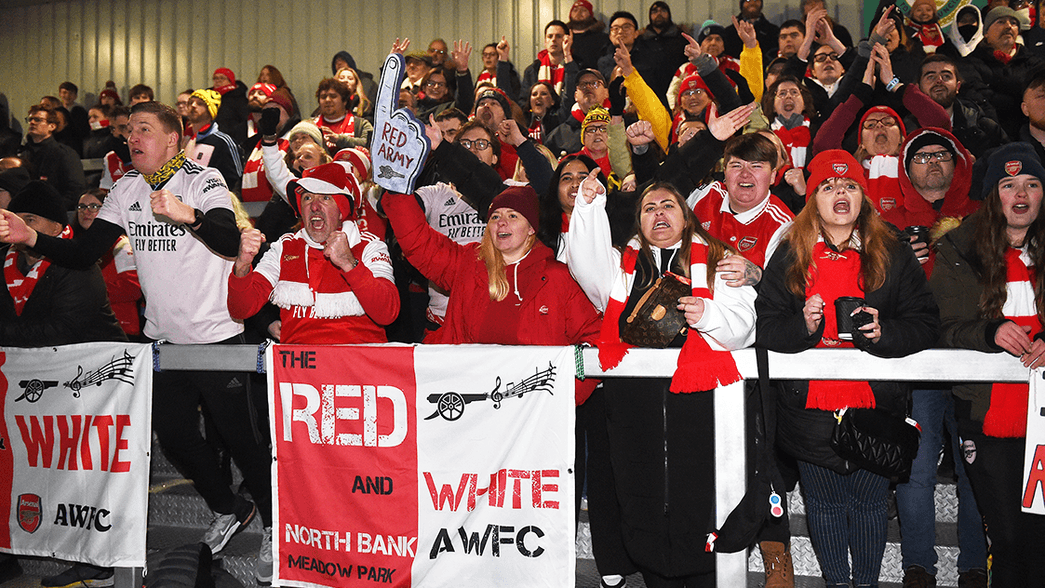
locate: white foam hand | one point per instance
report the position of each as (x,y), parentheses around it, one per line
(400,147)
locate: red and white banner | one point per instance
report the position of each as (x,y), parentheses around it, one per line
(74,451)
(1033,499)
(423,466)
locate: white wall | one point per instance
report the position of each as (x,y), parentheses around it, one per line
(172,45)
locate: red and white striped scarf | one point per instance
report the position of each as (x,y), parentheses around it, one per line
(1007,415)
(547,72)
(883,186)
(21,287)
(834,275)
(796,140)
(486,76)
(255,186)
(931,35)
(700,367)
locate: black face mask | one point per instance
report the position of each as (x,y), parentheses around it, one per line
(121,150)
(967,31)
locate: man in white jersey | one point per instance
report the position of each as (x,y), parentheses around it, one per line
(178,216)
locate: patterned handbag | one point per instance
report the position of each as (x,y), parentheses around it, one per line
(656,320)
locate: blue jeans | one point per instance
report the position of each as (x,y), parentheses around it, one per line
(846,514)
(934,410)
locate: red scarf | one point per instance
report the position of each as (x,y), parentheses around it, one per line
(929,34)
(21,287)
(700,368)
(536,131)
(835,275)
(1007,415)
(486,77)
(604,161)
(345,126)
(225,89)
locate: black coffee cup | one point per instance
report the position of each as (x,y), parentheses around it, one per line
(919,232)
(844,308)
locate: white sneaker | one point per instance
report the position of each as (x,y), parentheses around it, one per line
(263,571)
(224,526)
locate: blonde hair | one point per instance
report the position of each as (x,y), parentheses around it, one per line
(493,259)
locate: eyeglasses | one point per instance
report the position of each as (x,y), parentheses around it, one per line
(590,84)
(788,92)
(479,144)
(490,54)
(431,84)
(622,28)
(437,51)
(595,129)
(694,92)
(881,122)
(822,57)
(35,119)
(940,156)
(88,207)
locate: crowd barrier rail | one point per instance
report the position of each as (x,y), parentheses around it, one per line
(943,366)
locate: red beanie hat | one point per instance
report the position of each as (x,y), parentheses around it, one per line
(227,73)
(833,163)
(521,199)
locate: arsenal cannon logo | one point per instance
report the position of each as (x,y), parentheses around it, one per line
(29,512)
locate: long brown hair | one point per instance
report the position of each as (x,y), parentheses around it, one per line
(988,259)
(493,259)
(877,241)
(716,249)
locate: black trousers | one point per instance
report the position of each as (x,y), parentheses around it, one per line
(238,418)
(593,465)
(1017,539)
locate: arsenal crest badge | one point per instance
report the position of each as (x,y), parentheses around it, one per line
(29,512)
(1013,167)
(887,203)
(747,243)
(840,168)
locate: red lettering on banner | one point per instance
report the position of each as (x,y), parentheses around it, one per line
(445,496)
(1036,477)
(74,439)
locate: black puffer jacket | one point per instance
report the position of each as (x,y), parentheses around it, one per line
(910,323)
(66,306)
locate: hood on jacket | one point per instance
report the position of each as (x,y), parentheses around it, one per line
(346,57)
(956,202)
(966,47)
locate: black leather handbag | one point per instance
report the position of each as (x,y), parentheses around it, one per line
(877,441)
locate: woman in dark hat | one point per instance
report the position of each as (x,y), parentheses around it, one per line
(991,290)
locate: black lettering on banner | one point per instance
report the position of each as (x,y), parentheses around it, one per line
(303,359)
(332,569)
(375,574)
(494,536)
(85,517)
(381,485)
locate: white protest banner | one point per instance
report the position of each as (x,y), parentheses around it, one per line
(1034,455)
(399,146)
(76,435)
(396,467)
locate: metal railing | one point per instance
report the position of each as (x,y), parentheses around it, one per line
(937,365)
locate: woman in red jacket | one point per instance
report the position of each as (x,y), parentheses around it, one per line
(508,289)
